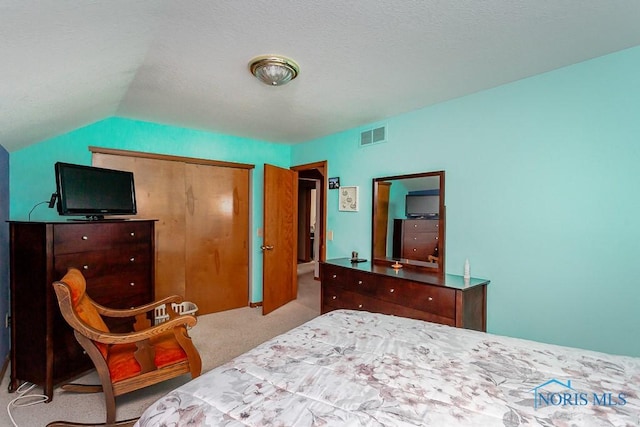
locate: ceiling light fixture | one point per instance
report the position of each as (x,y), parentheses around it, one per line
(274,70)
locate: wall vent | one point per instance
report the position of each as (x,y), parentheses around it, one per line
(373,136)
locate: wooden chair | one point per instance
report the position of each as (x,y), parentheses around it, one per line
(126,361)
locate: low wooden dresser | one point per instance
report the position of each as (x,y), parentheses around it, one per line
(449,300)
(117,259)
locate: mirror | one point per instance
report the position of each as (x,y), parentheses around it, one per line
(409,221)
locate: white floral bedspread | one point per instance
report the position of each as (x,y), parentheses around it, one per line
(354,368)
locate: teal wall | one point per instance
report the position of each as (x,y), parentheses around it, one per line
(32,172)
(542,197)
(541,192)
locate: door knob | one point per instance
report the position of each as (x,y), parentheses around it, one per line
(266,247)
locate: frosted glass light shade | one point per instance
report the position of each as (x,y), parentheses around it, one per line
(274,70)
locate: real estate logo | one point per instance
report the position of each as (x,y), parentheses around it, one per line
(556,393)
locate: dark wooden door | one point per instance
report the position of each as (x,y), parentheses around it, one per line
(279,248)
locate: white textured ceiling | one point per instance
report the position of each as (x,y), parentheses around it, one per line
(68,63)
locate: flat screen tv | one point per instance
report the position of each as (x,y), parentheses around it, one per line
(422,206)
(94,192)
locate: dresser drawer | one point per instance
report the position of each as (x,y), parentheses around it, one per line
(418,239)
(338,276)
(437,300)
(332,273)
(355,281)
(335,298)
(420,225)
(124,290)
(111,261)
(419,246)
(71,238)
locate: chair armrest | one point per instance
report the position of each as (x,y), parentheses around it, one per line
(133,337)
(131,312)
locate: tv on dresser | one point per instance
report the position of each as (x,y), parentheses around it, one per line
(94,192)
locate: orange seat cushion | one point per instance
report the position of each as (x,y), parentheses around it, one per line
(123,364)
(83,306)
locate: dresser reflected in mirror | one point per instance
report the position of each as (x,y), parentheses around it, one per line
(409,221)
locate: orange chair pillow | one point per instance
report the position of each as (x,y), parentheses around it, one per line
(82,306)
(123,364)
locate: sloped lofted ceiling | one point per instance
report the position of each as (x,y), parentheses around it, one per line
(68,63)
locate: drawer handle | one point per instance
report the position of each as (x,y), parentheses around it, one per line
(415,249)
(85,267)
(415,225)
(359,282)
(436,237)
(359,305)
(334,297)
(430,299)
(133,234)
(132,259)
(132,284)
(392,290)
(334,276)
(85,238)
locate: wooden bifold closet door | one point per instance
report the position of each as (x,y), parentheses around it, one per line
(202,232)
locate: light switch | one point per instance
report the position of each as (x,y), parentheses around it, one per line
(330,235)
(259,231)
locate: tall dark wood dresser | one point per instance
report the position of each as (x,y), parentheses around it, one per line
(116,257)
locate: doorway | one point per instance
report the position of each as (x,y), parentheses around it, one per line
(312,218)
(307,219)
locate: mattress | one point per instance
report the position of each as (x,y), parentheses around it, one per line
(355,368)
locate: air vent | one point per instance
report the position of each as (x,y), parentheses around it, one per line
(373,136)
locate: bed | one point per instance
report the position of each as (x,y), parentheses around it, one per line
(355,368)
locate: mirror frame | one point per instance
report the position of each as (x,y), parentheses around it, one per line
(439,267)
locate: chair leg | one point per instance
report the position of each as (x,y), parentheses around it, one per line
(110,405)
(103,373)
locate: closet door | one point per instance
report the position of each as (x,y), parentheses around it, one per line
(202,229)
(160,194)
(217,237)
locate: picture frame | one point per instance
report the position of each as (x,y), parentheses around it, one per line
(334,183)
(348,199)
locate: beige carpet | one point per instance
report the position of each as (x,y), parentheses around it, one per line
(219,337)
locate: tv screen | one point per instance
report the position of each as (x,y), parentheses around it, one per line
(422,206)
(94,192)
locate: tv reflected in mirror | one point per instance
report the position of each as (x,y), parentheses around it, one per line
(422,206)
(94,192)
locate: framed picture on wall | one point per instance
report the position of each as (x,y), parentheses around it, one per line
(348,200)
(334,183)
